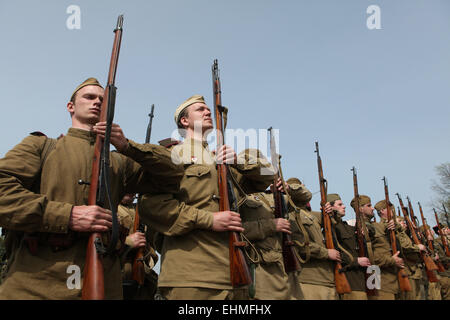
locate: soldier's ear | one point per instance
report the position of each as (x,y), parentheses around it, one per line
(70,107)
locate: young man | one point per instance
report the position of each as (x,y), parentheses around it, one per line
(44,207)
(388,261)
(193,238)
(353,265)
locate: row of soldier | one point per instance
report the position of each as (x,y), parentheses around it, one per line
(44,185)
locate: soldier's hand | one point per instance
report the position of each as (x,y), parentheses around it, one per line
(283,225)
(334,255)
(398,261)
(136,240)
(90,219)
(281,187)
(226,155)
(391,225)
(422,247)
(227,221)
(364,262)
(118,139)
(328,209)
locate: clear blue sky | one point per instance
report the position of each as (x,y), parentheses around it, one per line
(374,99)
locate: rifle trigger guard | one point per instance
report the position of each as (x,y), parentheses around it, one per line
(238,244)
(99,246)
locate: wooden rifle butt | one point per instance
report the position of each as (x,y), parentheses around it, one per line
(431,275)
(403,281)
(138,270)
(342,285)
(93,282)
(440,267)
(239,271)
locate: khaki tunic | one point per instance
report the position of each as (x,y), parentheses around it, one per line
(192,255)
(45,275)
(319,270)
(383,254)
(272,282)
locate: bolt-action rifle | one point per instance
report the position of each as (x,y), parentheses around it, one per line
(99,192)
(239,271)
(138,269)
(403,280)
(361,231)
(428,235)
(430,266)
(342,285)
(291,262)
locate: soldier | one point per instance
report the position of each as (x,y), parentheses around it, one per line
(45,210)
(135,240)
(317,275)
(353,265)
(264,230)
(192,239)
(413,265)
(388,261)
(444,280)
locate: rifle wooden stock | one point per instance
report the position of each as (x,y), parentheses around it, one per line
(430,266)
(93,281)
(340,280)
(361,232)
(138,270)
(429,235)
(442,235)
(239,271)
(290,259)
(403,280)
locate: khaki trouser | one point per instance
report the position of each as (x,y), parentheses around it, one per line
(203,294)
(434,291)
(318,292)
(383,295)
(354,295)
(414,294)
(445,287)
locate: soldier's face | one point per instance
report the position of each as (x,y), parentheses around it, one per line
(367,210)
(87,106)
(339,207)
(198,116)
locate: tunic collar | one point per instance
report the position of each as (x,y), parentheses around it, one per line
(82,134)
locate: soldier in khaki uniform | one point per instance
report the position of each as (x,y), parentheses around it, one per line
(264,231)
(388,261)
(353,265)
(317,275)
(193,241)
(413,265)
(133,242)
(45,210)
(444,277)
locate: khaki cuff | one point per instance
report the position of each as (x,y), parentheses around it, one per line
(204,219)
(56,217)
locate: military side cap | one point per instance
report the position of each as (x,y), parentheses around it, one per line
(363,200)
(194,99)
(382,205)
(333,197)
(87,82)
(293,181)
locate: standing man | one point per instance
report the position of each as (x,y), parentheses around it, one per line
(193,233)
(388,261)
(265,232)
(353,266)
(44,207)
(317,275)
